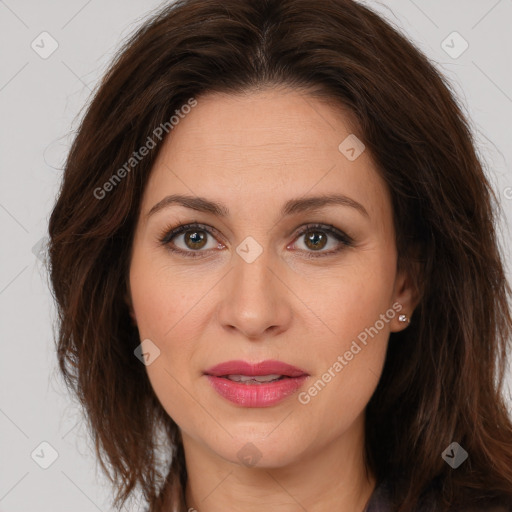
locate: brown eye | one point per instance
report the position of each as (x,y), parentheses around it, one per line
(316,240)
(195,239)
(190,240)
(316,237)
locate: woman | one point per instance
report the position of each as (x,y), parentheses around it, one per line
(277,273)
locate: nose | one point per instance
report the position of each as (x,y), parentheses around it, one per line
(255,298)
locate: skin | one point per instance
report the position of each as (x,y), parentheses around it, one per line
(253,152)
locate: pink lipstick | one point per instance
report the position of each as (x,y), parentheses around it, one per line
(255,385)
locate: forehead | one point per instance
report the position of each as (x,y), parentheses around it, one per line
(264,147)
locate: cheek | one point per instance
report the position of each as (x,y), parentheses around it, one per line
(167,316)
(166,299)
(356,314)
(171,305)
(357,296)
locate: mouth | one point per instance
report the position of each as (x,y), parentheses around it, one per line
(255,385)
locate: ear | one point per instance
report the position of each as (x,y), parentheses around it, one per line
(406,295)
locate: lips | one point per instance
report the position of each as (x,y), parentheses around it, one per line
(255,385)
(264,368)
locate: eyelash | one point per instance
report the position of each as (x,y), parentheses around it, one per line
(169,233)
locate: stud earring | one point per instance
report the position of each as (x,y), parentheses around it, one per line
(404,318)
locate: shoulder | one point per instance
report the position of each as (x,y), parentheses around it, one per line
(380,501)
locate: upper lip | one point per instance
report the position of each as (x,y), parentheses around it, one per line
(268,367)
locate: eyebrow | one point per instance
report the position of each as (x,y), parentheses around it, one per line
(291,207)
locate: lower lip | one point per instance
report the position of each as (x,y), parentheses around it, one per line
(256,395)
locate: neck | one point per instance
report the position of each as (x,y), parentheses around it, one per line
(319,480)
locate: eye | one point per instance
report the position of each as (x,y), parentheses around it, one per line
(318,236)
(195,239)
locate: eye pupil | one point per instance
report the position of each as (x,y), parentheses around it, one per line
(314,239)
(197,238)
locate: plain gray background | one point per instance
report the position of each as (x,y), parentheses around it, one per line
(41,99)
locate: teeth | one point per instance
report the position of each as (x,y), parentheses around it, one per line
(255,378)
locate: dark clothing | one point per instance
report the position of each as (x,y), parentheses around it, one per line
(379,502)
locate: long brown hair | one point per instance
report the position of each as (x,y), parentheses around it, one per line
(443,376)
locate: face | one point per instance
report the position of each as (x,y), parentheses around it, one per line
(265,277)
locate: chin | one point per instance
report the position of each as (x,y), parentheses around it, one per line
(256,449)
